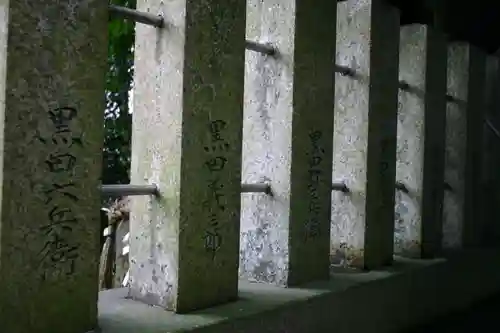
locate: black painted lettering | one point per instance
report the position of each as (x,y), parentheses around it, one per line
(316,156)
(216,161)
(65,137)
(216,188)
(62,117)
(59,254)
(213,241)
(60,162)
(57,257)
(55,190)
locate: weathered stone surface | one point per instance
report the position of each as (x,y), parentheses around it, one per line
(476,109)
(53,60)
(464,121)
(420,145)
(187,137)
(490,175)
(456,138)
(287,139)
(365,134)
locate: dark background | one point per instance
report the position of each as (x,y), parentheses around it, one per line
(477,22)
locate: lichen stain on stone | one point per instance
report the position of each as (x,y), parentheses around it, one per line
(43,26)
(399,223)
(267,94)
(452,221)
(263,257)
(347,227)
(410,248)
(154,278)
(345,256)
(260,256)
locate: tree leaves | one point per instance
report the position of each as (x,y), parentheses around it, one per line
(117,117)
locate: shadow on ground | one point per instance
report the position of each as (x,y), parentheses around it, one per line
(483,315)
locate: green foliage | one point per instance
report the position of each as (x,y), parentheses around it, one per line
(118,120)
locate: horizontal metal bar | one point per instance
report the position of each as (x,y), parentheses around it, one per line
(158,21)
(341,187)
(403,85)
(347,71)
(259,47)
(256,188)
(137,16)
(128,190)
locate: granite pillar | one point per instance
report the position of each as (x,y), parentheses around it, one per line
(53,62)
(287,142)
(420,145)
(456,138)
(365,134)
(187,138)
(464,121)
(476,110)
(491,156)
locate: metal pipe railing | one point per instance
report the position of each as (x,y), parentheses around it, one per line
(261,48)
(256,188)
(132,190)
(137,16)
(128,190)
(341,187)
(402,187)
(158,22)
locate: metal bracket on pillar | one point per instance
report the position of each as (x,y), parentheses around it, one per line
(261,48)
(447,187)
(137,16)
(256,188)
(492,128)
(124,190)
(340,187)
(402,187)
(158,22)
(403,85)
(344,70)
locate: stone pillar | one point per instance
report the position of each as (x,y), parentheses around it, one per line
(476,110)
(464,121)
(493,231)
(187,137)
(491,156)
(288,133)
(420,146)
(365,134)
(53,61)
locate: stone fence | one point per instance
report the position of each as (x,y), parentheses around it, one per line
(276,143)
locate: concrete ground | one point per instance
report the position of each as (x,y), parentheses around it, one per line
(410,291)
(482,315)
